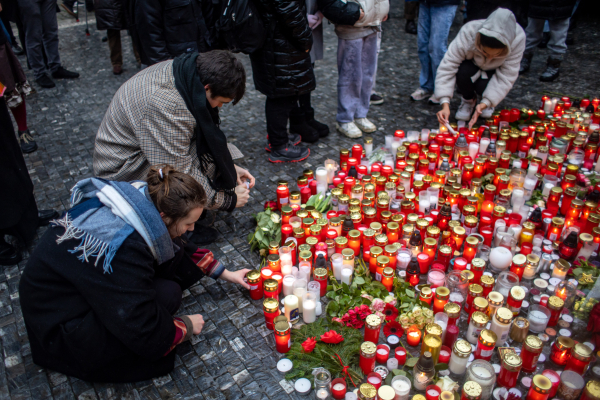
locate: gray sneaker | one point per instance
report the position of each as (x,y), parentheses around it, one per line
(420,94)
(552,70)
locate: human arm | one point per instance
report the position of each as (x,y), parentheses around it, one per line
(506,75)
(292,17)
(149,23)
(478,110)
(166,133)
(339,12)
(244,176)
(444,114)
(445,79)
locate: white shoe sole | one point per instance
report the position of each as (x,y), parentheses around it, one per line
(346,133)
(367,130)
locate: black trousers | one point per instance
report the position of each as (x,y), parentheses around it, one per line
(168,293)
(466,87)
(277,111)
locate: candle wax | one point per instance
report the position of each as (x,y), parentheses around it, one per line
(338,387)
(373,380)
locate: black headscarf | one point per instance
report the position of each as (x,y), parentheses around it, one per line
(211,143)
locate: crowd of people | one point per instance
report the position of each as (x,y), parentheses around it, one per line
(161,159)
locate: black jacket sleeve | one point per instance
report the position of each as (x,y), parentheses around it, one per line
(338,12)
(125,300)
(151,29)
(293,20)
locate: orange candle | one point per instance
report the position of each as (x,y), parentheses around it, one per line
(470,248)
(413,336)
(354,241)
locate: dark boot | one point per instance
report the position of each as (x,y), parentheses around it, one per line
(299,125)
(45,216)
(318,126)
(9,255)
(552,70)
(525,63)
(410,27)
(288,153)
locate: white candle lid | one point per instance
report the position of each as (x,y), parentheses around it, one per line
(302,385)
(545,276)
(564,332)
(496,368)
(567,318)
(284,365)
(590,345)
(350,396)
(541,359)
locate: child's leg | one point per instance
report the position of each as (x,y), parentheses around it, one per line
(20,114)
(349,78)
(369,67)
(375,74)
(558,37)
(464,83)
(425,78)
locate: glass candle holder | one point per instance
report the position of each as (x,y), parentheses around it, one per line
(540,388)
(581,356)
(461,352)
(283,340)
(555,379)
(478,321)
(570,386)
(436,278)
(372,328)
(505,281)
(485,345)
(538,317)
(509,370)
(401,385)
(367,357)
(458,285)
(483,373)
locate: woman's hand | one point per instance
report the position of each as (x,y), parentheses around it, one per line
(478,110)
(236,277)
(314,20)
(385,18)
(197,323)
(243,176)
(444,114)
(243,194)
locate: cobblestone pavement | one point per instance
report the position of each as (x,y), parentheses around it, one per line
(234,357)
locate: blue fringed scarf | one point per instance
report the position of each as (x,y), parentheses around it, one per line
(104,213)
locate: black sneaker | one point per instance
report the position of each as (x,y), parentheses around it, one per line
(293,138)
(552,70)
(411,27)
(288,153)
(69,9)
(28,144)
(301,127)
(45,216)
(62,73)
(320,127)
(9,255)
(45,82)
(376,99)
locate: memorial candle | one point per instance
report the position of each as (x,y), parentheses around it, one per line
(540,388)
(255,281)
(372,328)
(367,357)
(271,310)
(283,340)
(413,336)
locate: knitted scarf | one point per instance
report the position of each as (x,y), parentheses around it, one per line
(104,213)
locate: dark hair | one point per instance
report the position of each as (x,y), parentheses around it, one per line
(174,193)
(491,42)
(223,72)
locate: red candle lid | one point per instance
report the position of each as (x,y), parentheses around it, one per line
(399,133)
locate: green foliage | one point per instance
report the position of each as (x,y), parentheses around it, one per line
(268,229)
(324,355)
(536,197)
(406,296)
(320,202)
(586,274)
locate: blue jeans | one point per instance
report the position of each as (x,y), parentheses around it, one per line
(434,27)
(357,62)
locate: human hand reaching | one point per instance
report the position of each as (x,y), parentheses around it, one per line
(244,176)
(197,323)
(478,110)
(315,20)
(236,277)
(443,114)
(243,194)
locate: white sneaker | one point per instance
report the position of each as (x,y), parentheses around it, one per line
(420,94)
(465,109)
(349,129)
(365,125)
(487,113)
(434,100)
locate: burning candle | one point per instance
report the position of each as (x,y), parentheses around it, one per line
(432,392)
(413,336)
(283,340)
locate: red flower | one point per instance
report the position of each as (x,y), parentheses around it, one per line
(271,204)
(393,328)
(363,311)
(390,312)
(309,345)
(356,323)
(331,337)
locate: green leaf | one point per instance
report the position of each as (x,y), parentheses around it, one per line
(388,379)
(359,280)
(332,308)
(456,396)
(410,293)
(259,235)
(345,288)
(331,295)
(441,367)
(405,305)
(411,362)
(396,372)
(378,285)
(250,237)
(577,271)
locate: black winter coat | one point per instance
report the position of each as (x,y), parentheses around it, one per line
(551,10)
(169,28)
(440,3)
(18,210)
(283,67)
(481,9)
(96,326)
(110,14)
(338,12)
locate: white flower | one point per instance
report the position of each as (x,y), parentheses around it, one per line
(448,384)
(275,218)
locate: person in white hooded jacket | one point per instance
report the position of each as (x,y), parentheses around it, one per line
(483,60)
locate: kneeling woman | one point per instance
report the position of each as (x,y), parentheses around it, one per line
(100,290)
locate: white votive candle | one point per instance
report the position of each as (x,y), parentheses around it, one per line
(347,275)
(288,284)
(309,306)
(483,145)
(473,149)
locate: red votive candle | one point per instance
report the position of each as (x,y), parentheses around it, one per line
(401,355)
(382,354)
(372,328)
(338,388)
(445,353)
(424,261)
(432,392)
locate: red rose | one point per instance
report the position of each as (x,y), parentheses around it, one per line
(271,204)
(309,345)
(331,337)
(393,328)
(363,311)
(390,312)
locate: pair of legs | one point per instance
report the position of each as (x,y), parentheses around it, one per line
(411,10)
(557,45)
(432,40)
(277,110)
(357,64)
(168,293)
(469,90)
(116,51)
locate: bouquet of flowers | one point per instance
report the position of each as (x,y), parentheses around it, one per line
(418,316)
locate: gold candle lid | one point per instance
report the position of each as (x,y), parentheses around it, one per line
(488,337)
(367,391)
(320,272)
(472,390)
(383,261)
(446,395)
(487,280)
(535,343)
(462,348)
(555,303)
(354,234)
(452,310)
(253,276)
(432,341)
(368,348)
(475,290)
(495,298)
(480,303)
(479,319)
(541,384)
(433,329)
(386,392)
(373,321)
(564,342)
(519,259)
(593,388)
(504,315)
(517,293)
(582,350)
(270,305)
(270,285)
(442,293)
(418,397)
